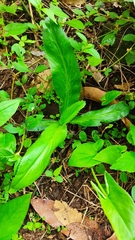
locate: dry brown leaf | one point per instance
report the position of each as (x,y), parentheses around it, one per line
(96,74)
(115,4)
(66,214)
(37,53)
(89,229)
(42,80)
(59,213)
(124,86)
(113,237)
(76,231)
(74,2)
(45,210)
(93,93)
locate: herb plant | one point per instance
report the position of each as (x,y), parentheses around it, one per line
(66,79)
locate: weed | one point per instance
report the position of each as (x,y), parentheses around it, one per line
(55,175)
(20,169)
(34,223)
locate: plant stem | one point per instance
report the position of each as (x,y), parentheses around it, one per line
(98,183)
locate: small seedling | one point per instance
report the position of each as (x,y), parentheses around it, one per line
(55,175)
(34,223)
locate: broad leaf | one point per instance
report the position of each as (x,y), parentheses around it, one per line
(130,57)
(129,37)
(21,66)
(83,155)
(37,157)
(131,135)
(36,3)
(10,9)
(109,39)
(64,66)
(57,11)
(125,163)
(35,123)
(7,141)
(105,115)
(71,112)
(118,207)
(13,28)
(110,96)
(75,23)
(7,109)
(110,154)
(12,215)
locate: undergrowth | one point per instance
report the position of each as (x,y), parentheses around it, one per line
(63,66)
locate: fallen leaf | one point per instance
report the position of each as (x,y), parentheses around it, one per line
(76,231)
(113,237)
(93,93)
(124,86)
(73,2)
(96,74)
(66,214)
(45,210)
(89,229)
(42,80)
(61,214)
(37,53)
(115,4)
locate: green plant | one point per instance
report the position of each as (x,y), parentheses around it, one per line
(67,84)
(34,223)
(55,175)
(17,237)
(12,214)
(66,78)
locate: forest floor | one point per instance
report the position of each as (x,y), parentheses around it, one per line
(75,188)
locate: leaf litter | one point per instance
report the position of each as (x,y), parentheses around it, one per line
(74,230)
(59,213)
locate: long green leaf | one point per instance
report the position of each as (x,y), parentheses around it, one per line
(12,215)
(119,208)
(105,115)
(64,66)
(7,109)
(38,155)
(15,28)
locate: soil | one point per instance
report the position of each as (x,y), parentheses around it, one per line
(76,188)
